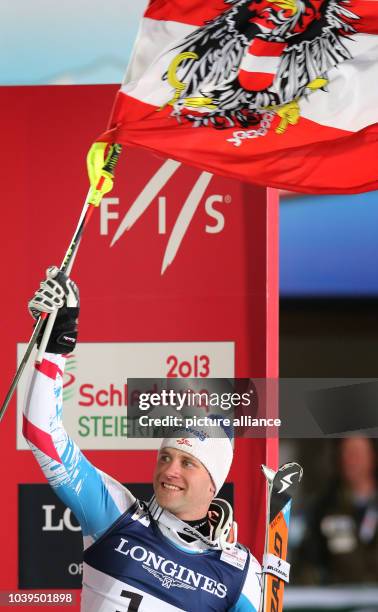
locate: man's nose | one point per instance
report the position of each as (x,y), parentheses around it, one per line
(173,469)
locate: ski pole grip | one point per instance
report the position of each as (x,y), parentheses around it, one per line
(46,335)
(112,159)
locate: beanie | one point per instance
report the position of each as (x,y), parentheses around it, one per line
(210,445)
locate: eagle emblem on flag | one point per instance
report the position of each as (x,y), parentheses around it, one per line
(283,90)
(257,57)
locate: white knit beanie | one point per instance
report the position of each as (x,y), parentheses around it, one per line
(209,445)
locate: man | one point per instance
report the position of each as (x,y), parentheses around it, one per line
(340,544)
(179,551)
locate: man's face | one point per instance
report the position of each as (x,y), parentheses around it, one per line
(182,484)
(357,460)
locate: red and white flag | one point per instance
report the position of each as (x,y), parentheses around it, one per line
(276,92)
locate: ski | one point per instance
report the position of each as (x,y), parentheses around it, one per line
(275,569)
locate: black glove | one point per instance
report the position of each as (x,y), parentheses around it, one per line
(58,292)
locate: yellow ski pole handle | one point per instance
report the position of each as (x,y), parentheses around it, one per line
(67,263)
(66,266)
(101,171)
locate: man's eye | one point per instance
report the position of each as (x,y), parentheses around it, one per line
(164,458)
(188,463)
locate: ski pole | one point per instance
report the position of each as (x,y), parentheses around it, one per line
(92,200)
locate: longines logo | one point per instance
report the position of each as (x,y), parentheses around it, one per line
(168,581)
(55,521)
(46,525)
(147,196)
(169,573)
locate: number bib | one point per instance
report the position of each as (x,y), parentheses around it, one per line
(134,567)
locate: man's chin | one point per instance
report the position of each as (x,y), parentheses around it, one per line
(168,504)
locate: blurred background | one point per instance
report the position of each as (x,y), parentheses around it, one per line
(328,305)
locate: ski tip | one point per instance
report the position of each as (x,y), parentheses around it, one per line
(268,473)
(288,476)
(294,468)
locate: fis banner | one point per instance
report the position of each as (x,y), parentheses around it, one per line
(175,281)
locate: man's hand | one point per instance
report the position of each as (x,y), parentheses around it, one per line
(58,292)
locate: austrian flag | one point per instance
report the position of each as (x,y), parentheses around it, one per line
(281,93)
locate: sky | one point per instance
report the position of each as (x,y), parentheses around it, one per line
(75,41)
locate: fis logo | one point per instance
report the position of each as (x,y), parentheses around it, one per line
(146,198)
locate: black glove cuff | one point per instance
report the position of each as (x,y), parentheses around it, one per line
(64,333)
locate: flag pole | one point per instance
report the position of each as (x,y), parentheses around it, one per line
(66,266)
